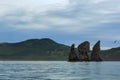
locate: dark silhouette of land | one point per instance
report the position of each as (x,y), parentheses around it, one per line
(84,52)
(47,50)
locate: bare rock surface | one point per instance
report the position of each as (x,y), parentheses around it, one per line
(84,49)
(73,55)
(95,55)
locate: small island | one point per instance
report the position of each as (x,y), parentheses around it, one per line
(84,53)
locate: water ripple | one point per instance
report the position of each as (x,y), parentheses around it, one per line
(59,70)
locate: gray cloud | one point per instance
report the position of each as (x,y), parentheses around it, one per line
(75,17)
(73,20)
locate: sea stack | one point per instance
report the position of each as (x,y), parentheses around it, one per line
(73,56)
(95,55)
(83,50)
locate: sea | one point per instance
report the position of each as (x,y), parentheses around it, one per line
(59,70)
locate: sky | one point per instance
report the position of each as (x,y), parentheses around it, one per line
(64,21)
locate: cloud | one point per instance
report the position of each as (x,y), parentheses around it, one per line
(78,14)
(92,19)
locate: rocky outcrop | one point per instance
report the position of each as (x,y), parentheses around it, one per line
(84,52)
(95,55)
(84,49)
(72,56)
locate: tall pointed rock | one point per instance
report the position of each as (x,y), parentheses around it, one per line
(72,56)
(95,55)
(83,50)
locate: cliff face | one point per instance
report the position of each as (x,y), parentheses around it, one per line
(84,50)
(95,55)
(72,55)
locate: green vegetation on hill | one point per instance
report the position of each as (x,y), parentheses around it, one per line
(34,49)
(111,54)
(45,49)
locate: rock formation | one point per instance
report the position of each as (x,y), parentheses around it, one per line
(83,50)
(95,55)
(72,55)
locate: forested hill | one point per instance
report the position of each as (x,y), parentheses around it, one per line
(34,49)
(45,49)
(111,54)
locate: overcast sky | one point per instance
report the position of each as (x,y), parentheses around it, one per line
(65,21)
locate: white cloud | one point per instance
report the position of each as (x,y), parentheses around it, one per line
(33,27)
(82,19)
(76,17)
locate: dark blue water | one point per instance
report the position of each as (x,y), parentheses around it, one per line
(50,70)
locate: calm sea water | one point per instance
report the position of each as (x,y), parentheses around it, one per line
(59,70)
